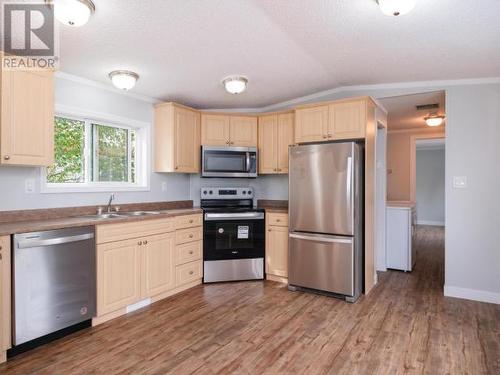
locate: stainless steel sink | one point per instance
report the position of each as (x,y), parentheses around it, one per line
(140,213)
(106,216)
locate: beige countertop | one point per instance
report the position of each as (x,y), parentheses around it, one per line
(79,221)
(277,206)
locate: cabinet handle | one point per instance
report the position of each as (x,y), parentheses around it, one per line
(269,230)
(0,256)
(176,168)
(139,243)
(228,143)
(325,136)
(190,236)
(6,157)
(278,220)
(330,136)
(191,221)
(191,252)
(145,242)
(191,272)
(232,143)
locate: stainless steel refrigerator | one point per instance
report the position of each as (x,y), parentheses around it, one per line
(326,218)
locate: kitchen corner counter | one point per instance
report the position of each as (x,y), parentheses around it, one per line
(36,225)
(273,206)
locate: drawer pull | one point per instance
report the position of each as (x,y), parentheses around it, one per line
(191,236)
(191,272)
(191,252)
(6,157)
(0,255)
(191,221)
(139,243)
(145,242)
(278,220)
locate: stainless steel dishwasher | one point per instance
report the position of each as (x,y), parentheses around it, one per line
(54,281)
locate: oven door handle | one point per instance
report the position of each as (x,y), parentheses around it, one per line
(248,161)
(235,216)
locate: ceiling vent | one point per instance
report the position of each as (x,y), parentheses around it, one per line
(427,107)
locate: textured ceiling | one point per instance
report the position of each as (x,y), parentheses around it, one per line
(403,113)
(288,48)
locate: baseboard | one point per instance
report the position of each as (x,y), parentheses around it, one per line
(430,222)
(472,294)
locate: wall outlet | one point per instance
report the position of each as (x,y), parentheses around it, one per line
(164,186)
(460,182)
(29,186)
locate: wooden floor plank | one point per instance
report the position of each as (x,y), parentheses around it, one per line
(405,326)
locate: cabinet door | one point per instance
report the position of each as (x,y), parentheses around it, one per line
(27,118)
(158,264)
(268,144)
(347,120)
(118,275)
(277,251)
(214,130)
(5,294)
(187,141)
(243,131)
(285,139)
(311,124)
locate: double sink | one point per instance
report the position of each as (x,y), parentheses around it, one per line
(116,215)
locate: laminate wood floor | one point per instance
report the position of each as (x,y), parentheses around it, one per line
(404,326)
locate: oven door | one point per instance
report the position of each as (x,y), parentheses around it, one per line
(233,236)
(229,161)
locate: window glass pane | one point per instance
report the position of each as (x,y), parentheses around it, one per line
(114,154)
(69,145)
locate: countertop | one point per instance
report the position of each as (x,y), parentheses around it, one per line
(400,204)
(80,221)
(273,206)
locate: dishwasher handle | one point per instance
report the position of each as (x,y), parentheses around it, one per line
(26,244)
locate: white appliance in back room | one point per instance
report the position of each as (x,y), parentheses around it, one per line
(326,218)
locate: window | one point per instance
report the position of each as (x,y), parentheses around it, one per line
(96,156)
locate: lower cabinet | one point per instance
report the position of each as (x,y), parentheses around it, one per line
(277,247)
(151,266)
(5,297)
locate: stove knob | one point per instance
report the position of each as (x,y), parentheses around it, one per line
(211,192)
(244,192)
(204,192)
(249,192)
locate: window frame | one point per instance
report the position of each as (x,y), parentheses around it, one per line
(143,155)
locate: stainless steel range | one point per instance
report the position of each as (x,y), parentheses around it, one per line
(233,235)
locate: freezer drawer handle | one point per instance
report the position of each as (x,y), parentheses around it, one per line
(26,244)
(321,239)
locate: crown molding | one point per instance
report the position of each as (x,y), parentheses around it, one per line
(103,86)
(427,129)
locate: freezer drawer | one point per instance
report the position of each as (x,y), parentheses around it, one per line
(322,262)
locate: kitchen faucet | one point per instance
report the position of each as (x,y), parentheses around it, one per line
(111,199)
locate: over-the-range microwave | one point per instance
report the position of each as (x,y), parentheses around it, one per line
(228,161)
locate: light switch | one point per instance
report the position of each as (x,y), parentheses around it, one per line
(163,186)
(29,186)
(460,182)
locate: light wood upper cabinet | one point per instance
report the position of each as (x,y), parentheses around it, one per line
(158,274)
(311,124)
(118,275)
(177,139)
(5,296)
(225,130)
(268,144)
(277,251)
(243,131)
(27,118)
(347,120)
(285,139)
(215,130)
(275,135)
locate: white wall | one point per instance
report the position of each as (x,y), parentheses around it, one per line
(92,99)
(430,186)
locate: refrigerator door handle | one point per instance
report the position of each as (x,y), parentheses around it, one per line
(320,238)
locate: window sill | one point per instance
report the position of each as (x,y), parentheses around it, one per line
(94,188)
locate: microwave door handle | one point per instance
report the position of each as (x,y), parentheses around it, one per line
(248,161)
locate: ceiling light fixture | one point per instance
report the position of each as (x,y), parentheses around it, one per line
(72,12)
(123,79)
(235,84)
(396,7)
(434,120)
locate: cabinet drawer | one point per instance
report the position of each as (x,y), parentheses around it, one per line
(280,220)
(188,272)
(188,235)
(188,252)
(188,221)
(124,231)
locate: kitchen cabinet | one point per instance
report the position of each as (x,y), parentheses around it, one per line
(158,264)
(400,240)
(118,275)
(227,130)
(346,119)
(27,118)
(275,135)
(146,259)
(177,139)
(5,297)
(277,247)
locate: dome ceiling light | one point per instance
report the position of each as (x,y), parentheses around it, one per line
(434,120)
(235,84)
(73,13)
(396,7)
(123,79)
